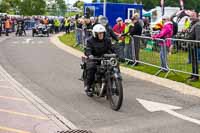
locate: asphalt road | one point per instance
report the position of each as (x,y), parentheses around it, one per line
(53,74)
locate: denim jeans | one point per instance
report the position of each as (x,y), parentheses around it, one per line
(78,36)
(163,57)
(190,58)
(120,50)
(128,51)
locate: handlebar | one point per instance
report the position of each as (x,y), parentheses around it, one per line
(104,57)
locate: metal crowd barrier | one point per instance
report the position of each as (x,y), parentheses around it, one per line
(82,36)
(155,53)
(149,52)
(184,56)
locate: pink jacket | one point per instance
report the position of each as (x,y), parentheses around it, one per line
(166,32)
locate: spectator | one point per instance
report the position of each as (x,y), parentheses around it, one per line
(79,26)
(136,15)
(67,25)
(7,26)
(109,31)
(186,25)
(194,35)
(57,25)
(166,32)
(128,47)
(118,30)
(88,28)
(93,21)
(46,21)
(135,30)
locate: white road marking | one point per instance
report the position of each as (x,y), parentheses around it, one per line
(28,40)
(155,106)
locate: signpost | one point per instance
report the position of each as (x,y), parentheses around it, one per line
(104,8)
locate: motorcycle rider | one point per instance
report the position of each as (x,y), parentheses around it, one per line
(20,22)
(96,46)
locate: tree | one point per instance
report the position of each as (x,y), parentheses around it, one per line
(61,7)
(10,6)
(33,7)
(78,4)
(5,6)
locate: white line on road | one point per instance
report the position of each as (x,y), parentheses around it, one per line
(13,98)
(6,87)
(28,40)
(155,106)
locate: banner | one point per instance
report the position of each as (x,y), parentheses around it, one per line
(182,4)
(162,5)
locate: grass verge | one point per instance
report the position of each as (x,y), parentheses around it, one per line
(70,40)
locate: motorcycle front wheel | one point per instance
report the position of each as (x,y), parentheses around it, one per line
(115,93)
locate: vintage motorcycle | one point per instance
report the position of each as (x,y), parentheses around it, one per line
(108,80)
(20,30)
(40,30)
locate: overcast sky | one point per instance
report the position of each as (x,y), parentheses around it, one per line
(73,1)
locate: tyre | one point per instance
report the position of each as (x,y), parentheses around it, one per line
(47,34)
(115,93)
(20,33)
(84,77)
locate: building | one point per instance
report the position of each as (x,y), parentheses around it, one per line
(113,10)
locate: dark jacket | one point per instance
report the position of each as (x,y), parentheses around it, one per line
(175,28)
(195,31)
(98,48)
(110,33)
(136,29)
(1,22)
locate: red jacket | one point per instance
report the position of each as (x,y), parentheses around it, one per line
(119,29)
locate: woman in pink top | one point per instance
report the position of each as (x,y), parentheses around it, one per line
(166,32)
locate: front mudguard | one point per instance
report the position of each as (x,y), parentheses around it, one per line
(117,74)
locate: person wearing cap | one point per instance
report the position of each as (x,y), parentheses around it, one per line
(166,32)
(135,30)
(128,47)
(118,30)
